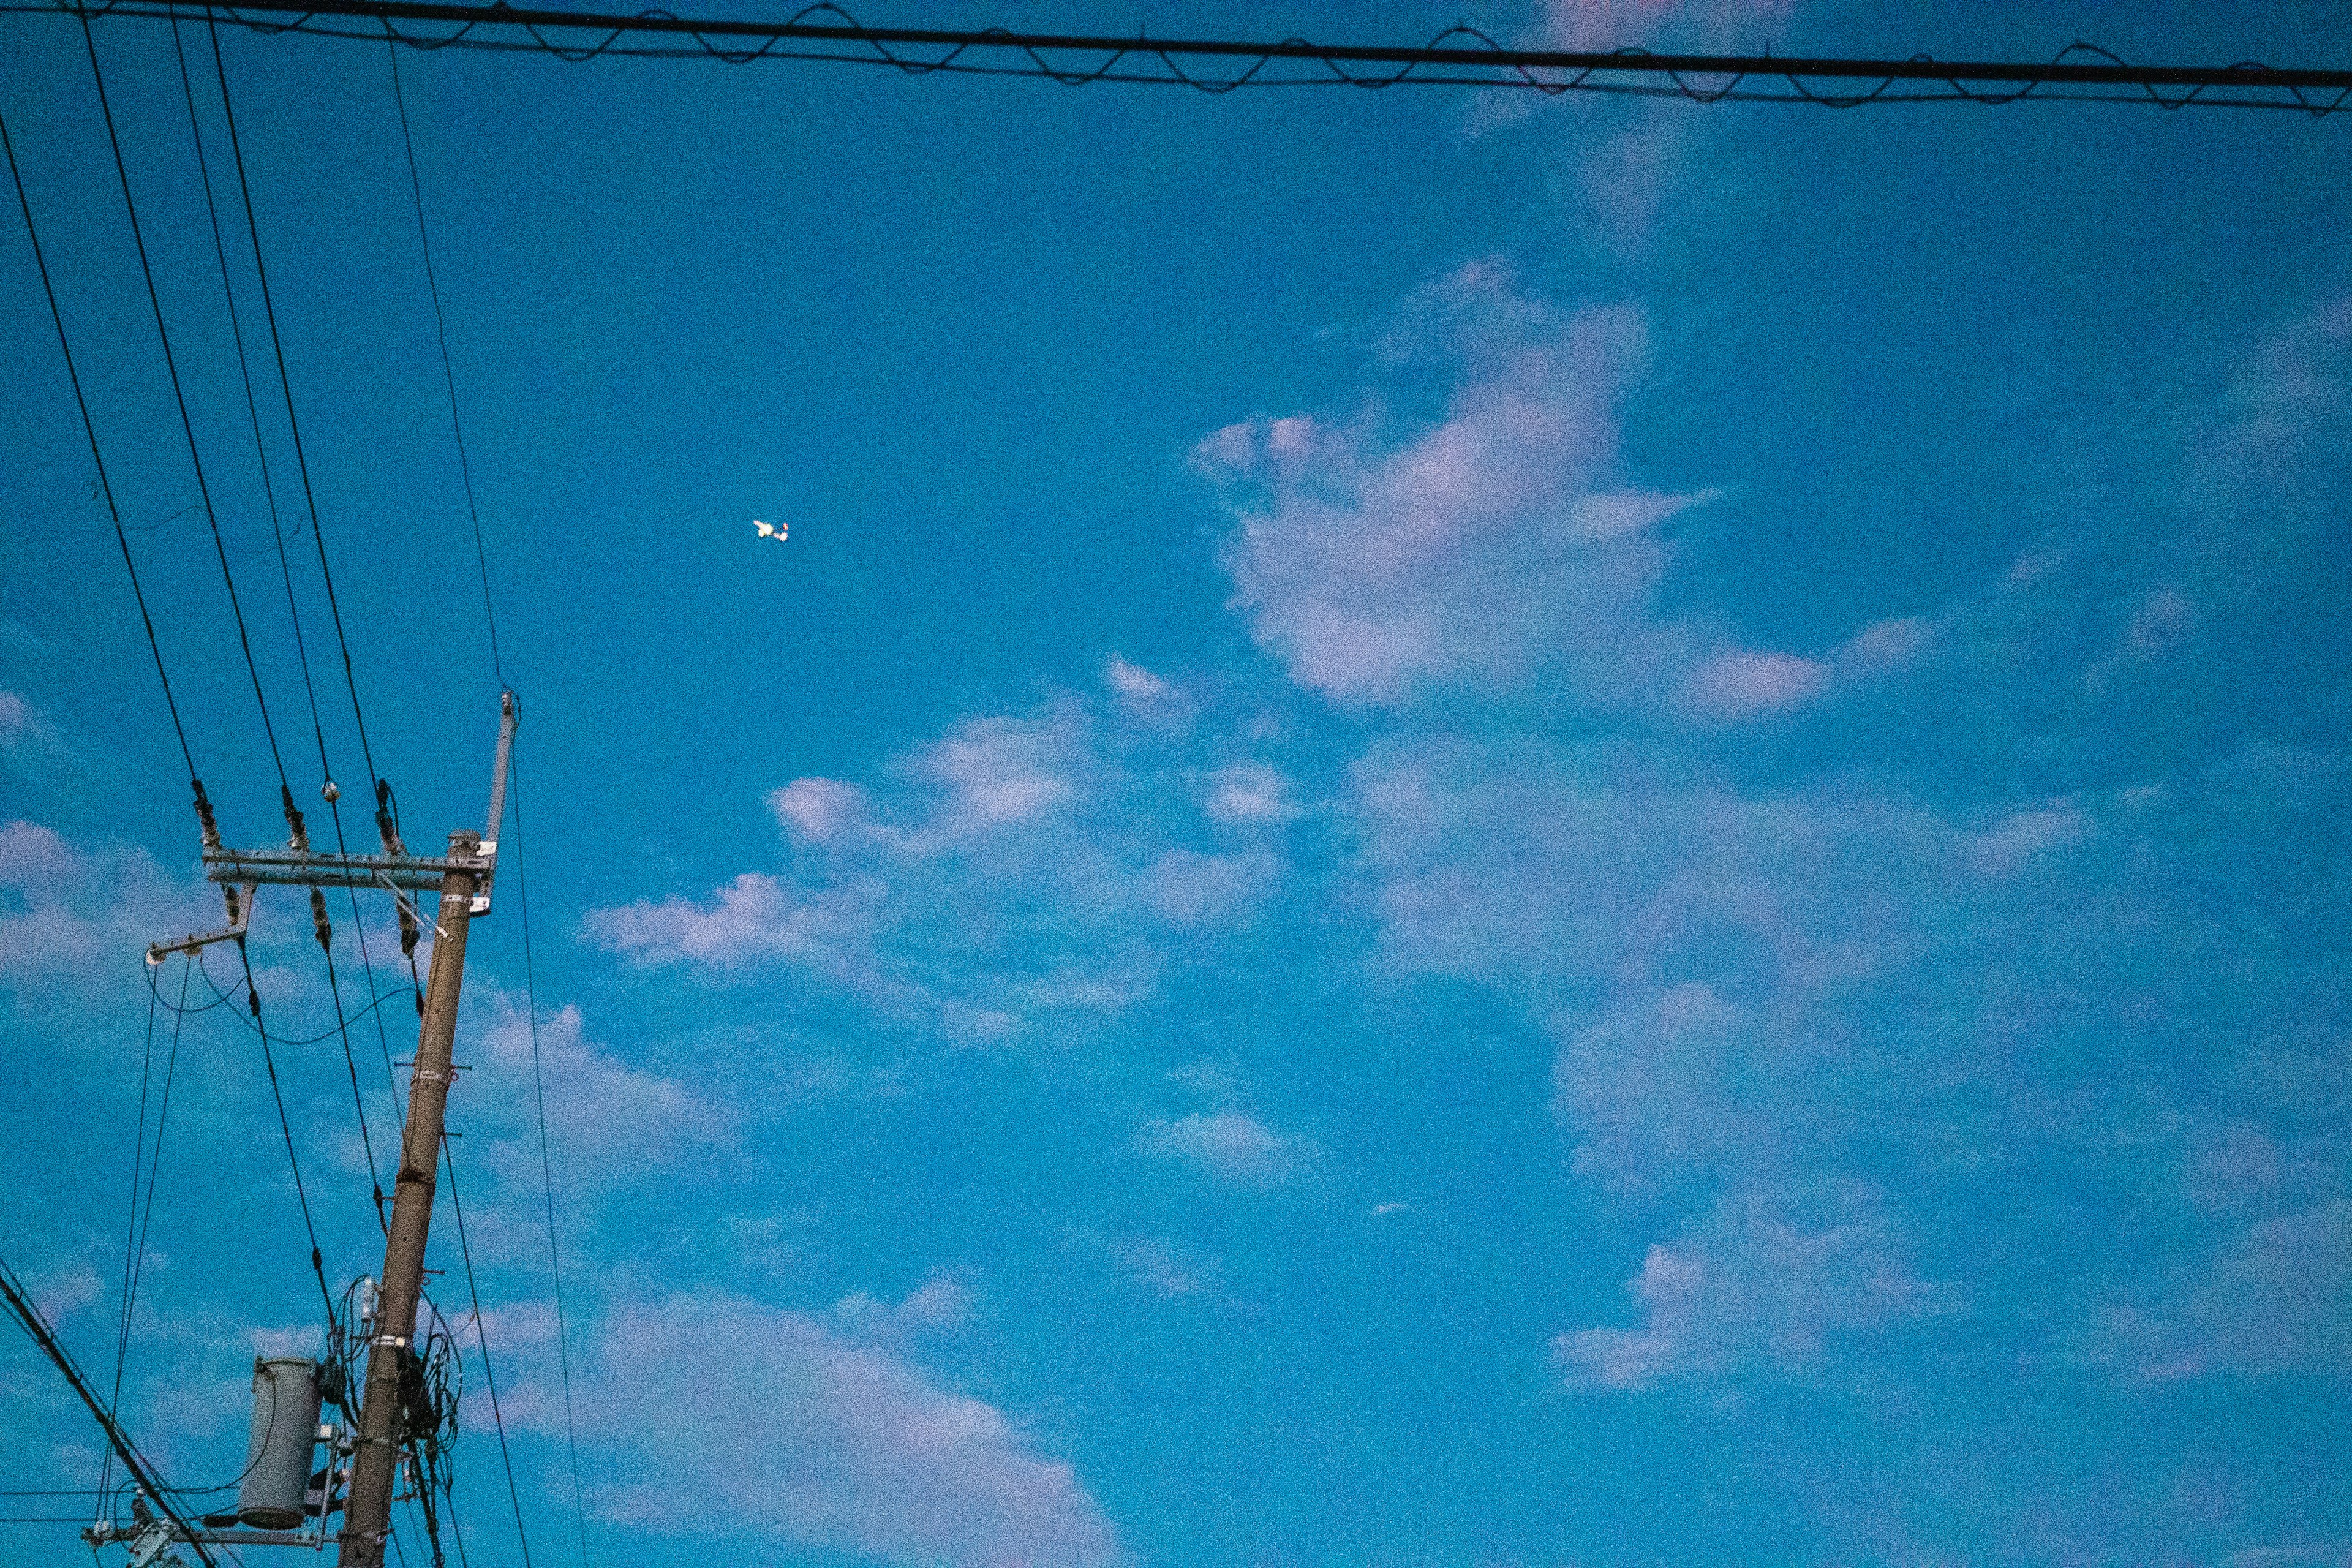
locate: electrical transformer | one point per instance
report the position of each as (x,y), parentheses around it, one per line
(278,1453)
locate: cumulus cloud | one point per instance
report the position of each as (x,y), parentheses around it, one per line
(1464,554)
(2274,1297)
(1751,1287)
(1744,683)
(715,1406)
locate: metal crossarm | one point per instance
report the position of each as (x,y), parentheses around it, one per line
(292,867)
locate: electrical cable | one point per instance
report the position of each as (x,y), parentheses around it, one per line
(326,572)
(1477,60)
(286,384)
(106,485)
(293,606)
(155,1161)
(223,998)
(448,376)
(28,1316)
(489,614)
(253,1001)
(187,427)
(450,1163)
(134,1241)
(546,1165)
(130,1231)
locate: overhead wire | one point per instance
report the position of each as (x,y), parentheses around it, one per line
(224,999)
(64,346)
(1461,56)
(30,1317)
(131,1233)
(134,1239)
(481,1338)
(253,1001)
(294,613)
(326,570)
(179,396)
(448,376)
(490,613)
(546,1163)
(286,384)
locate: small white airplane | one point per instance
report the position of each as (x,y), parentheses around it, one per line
(770,530)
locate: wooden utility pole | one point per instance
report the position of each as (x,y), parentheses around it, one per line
(395,1394)
(375,1465)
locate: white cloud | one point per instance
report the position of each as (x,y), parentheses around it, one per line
(81,918)
(607,1118)
(1249,791)
(2274,1297)
(819,810)
(787,1429)
(1232,1146)
(1745,684)
(1751,1288)
(2017,839)
(1496,551)
(1166,1267)
(756,916)
(1465,553)
(1140,692)
(1015,878)
(941,1303)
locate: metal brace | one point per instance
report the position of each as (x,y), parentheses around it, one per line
(242,913)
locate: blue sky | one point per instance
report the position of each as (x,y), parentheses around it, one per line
(1463,830)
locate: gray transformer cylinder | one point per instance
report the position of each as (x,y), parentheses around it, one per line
(278,1454)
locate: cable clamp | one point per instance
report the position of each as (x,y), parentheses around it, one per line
(390,1341)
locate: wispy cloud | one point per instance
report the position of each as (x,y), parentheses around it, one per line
(792,1430)
(1231,1145)
(1017,870)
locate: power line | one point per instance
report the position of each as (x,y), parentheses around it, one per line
(449,376)
(327,789)
(514,1494)
(1459,56)
(253,1001)
(90,429)
(546,1167)
(187,427)
(530,1000)
(293,610)
(134,1239)
(294,425)
(28,1316)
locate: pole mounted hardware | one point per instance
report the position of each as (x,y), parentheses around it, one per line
(388,1428)
(240,871)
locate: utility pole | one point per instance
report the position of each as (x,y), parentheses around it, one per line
(367,1518)
(375,1465)
(394,1401)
